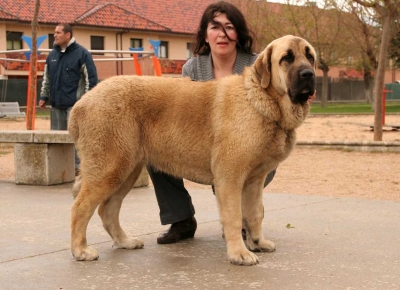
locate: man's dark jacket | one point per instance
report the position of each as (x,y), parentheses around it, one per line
(68,75)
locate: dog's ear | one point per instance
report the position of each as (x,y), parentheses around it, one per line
(262,67)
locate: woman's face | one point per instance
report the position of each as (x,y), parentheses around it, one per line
(220,45)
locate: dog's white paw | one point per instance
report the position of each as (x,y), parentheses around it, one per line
(85,254)
(260,246)
(130,244)
(243,257)
(266,246)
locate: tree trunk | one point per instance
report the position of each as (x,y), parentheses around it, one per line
(380,77)
(31,106)
(368,84)
(324,93)
(322,65)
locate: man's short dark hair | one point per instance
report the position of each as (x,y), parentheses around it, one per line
(66,28)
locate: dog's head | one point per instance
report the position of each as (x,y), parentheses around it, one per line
(288,64)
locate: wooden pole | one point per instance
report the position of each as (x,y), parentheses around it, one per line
(32,79)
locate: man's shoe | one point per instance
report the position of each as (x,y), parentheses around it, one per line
(178,231)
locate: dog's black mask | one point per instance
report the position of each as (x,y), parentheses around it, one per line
(302,84)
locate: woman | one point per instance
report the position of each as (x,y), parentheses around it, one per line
(223,47)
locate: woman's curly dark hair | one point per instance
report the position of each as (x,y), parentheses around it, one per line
(245,40)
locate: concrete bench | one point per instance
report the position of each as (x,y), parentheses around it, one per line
(46,157)
(10,109)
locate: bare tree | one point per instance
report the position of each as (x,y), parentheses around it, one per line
(31,106)
(387,10)
(394,50)
(364,32)
(264,19)
(323,27)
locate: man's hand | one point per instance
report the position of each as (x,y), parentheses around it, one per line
(42,104)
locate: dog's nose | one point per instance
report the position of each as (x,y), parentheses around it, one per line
(307,74)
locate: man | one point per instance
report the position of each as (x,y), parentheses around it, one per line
(69,73)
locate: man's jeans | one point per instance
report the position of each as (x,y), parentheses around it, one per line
(59,121)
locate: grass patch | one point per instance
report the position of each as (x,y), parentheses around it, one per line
(348,150)
(42,114)
(352,108)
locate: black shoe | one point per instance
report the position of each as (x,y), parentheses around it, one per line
(178,231)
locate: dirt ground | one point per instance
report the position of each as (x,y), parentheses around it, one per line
(326,172)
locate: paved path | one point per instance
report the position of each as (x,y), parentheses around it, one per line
(334,243)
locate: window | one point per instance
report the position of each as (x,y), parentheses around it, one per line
(189,52)
(51,40)
(14,40)
(163,53)
(136,42)
(97,43)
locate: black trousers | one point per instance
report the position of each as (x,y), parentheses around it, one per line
(173,199)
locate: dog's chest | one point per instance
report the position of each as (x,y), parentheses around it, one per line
(280,144)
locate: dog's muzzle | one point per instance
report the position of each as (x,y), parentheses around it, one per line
(303,86)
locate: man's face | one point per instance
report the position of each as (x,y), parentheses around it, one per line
(60,37)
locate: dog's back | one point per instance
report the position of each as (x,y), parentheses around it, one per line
(160,117)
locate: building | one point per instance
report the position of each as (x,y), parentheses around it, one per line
(105,25)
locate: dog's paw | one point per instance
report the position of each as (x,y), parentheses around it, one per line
(267,246)
(243,257)
(260,245)
(85,254)
(129,244)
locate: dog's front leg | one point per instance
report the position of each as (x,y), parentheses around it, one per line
(253,214)
(229,202)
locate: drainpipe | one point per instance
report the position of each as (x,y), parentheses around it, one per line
(119,64)
(116,48)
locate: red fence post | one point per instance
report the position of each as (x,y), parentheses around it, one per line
(136,63)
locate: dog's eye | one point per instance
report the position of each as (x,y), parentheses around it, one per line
(310,57)
(288,58)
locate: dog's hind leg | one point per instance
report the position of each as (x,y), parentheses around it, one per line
(109,212)
(85,204)
(253,214)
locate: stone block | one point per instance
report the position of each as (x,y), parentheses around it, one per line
(56,136)
(44,164)
(16,136)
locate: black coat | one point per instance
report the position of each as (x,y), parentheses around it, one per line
(68,75)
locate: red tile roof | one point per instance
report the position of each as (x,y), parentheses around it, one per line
(5,15)
(111,15)
(176,16)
